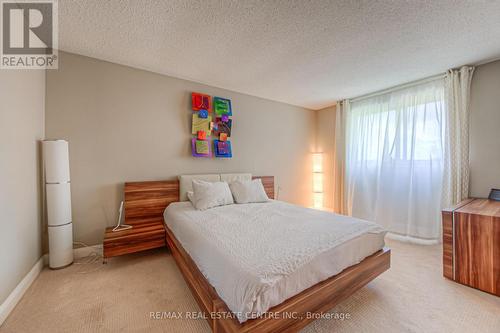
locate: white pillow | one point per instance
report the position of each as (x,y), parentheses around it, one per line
(247,191)
(186,183)
(211,194)
(190,195)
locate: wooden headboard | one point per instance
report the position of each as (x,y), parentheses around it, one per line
(146,201)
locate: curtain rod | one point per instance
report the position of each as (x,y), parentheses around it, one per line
(399,87)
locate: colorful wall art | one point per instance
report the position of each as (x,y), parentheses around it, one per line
(222,106)
(223,126)
(202,126)
(201,102)
(222,149)
(201,148)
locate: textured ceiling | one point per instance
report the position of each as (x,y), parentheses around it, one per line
(306,53)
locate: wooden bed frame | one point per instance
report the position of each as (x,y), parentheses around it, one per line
(289,316)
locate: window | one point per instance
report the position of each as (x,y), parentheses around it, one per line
(394,159)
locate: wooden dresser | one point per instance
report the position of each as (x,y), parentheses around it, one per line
(471,244)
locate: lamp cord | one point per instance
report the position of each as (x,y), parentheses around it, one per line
(93,257)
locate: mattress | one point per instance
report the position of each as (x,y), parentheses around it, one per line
(260,254)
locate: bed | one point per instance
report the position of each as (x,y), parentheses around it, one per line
(264,267)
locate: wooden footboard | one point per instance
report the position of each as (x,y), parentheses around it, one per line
(292,314)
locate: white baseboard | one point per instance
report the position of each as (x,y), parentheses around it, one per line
(15,296)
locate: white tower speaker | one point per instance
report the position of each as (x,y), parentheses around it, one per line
(58,194)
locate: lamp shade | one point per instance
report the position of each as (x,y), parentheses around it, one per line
(317,182)
(317,162)
(318,200)
(58,201)
(56,161)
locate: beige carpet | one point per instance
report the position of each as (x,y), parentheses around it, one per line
(411,297)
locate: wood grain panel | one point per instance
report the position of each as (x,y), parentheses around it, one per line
(149,199)
(475,260)
(482,207)
(477,245)
(448,251)
(141,237)
(317,299)
(496,256)
(447,244)
(459,205)
(144,205)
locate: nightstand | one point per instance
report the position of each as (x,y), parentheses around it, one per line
(144,235)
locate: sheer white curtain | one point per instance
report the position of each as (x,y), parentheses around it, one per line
(456,170)
(394,159)
(339,165)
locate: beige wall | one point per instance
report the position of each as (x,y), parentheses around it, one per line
(485,130)
(125,124)
(22,104)
(325,142)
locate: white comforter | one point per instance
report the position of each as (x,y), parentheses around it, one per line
(258,255)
